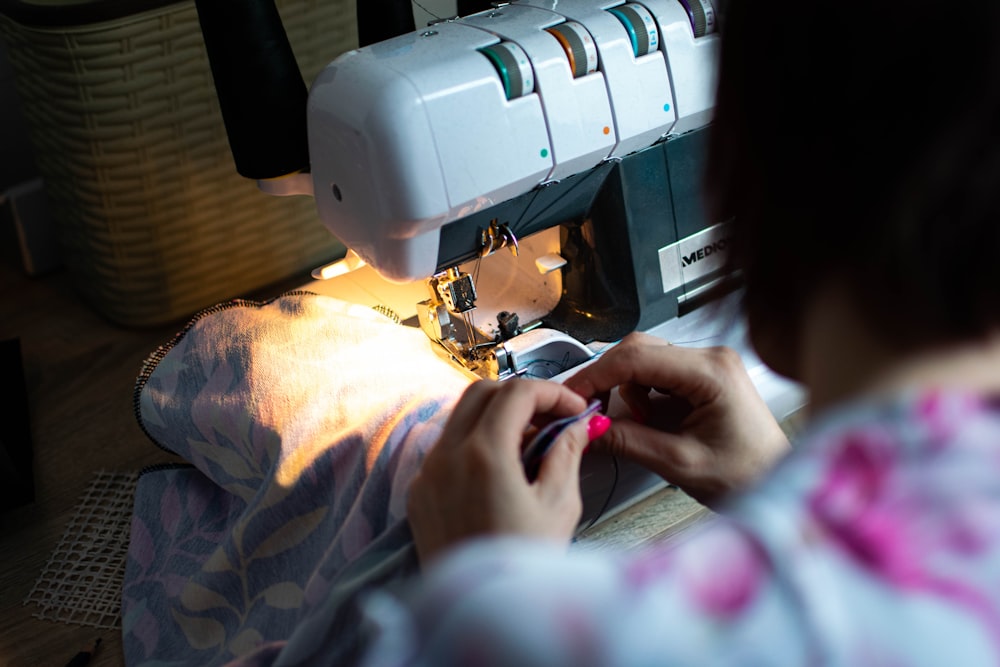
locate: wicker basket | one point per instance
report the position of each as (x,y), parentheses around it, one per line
(153,219)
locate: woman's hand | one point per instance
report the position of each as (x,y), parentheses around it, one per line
(473,481)
(697,420)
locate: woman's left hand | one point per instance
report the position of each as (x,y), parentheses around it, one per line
(473,483)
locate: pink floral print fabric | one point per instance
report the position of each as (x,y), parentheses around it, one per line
(877,542)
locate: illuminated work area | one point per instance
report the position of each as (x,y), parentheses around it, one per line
(589,360)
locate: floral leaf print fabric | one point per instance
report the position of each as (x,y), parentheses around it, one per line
(301,421)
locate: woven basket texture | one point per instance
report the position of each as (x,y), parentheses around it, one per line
(154,221)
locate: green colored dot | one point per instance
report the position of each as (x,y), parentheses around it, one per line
(545,152)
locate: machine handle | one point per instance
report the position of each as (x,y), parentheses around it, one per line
(260,88)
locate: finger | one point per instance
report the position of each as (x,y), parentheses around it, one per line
(559,474)
(636,398)
(590,379)
(567,452)
(603,396)
(691,373)
(467,410)
(671,456)
(511,409)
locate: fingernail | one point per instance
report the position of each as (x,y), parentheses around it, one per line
(597,426)
(637,417)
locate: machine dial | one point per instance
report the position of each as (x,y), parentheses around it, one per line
(578,45)
(702,15)
(641,27)
(514,68)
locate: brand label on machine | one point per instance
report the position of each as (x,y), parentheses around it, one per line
(694,257)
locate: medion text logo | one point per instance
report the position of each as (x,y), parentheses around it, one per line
(706,251)
(695,256)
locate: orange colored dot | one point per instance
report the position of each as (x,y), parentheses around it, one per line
(607,130)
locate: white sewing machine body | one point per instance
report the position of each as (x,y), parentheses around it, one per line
(411,134)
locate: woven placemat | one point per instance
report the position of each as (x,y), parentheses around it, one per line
(81,582)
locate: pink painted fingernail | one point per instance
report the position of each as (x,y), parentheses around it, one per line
(598,426)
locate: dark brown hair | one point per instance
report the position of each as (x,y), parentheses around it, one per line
(862,141)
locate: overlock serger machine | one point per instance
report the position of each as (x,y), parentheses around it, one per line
(459,140)
(534,168)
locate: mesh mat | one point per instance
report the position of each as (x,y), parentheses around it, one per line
(81,582)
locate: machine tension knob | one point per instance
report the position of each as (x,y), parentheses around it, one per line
(578,45)
(641,27)
(702,16)
(513,66)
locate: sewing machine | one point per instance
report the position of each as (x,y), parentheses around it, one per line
(523,184)
(465,139)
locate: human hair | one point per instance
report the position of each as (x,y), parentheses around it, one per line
(861,141)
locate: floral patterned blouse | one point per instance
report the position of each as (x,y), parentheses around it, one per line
(876,542)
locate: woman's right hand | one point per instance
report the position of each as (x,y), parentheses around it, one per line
(697,419)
